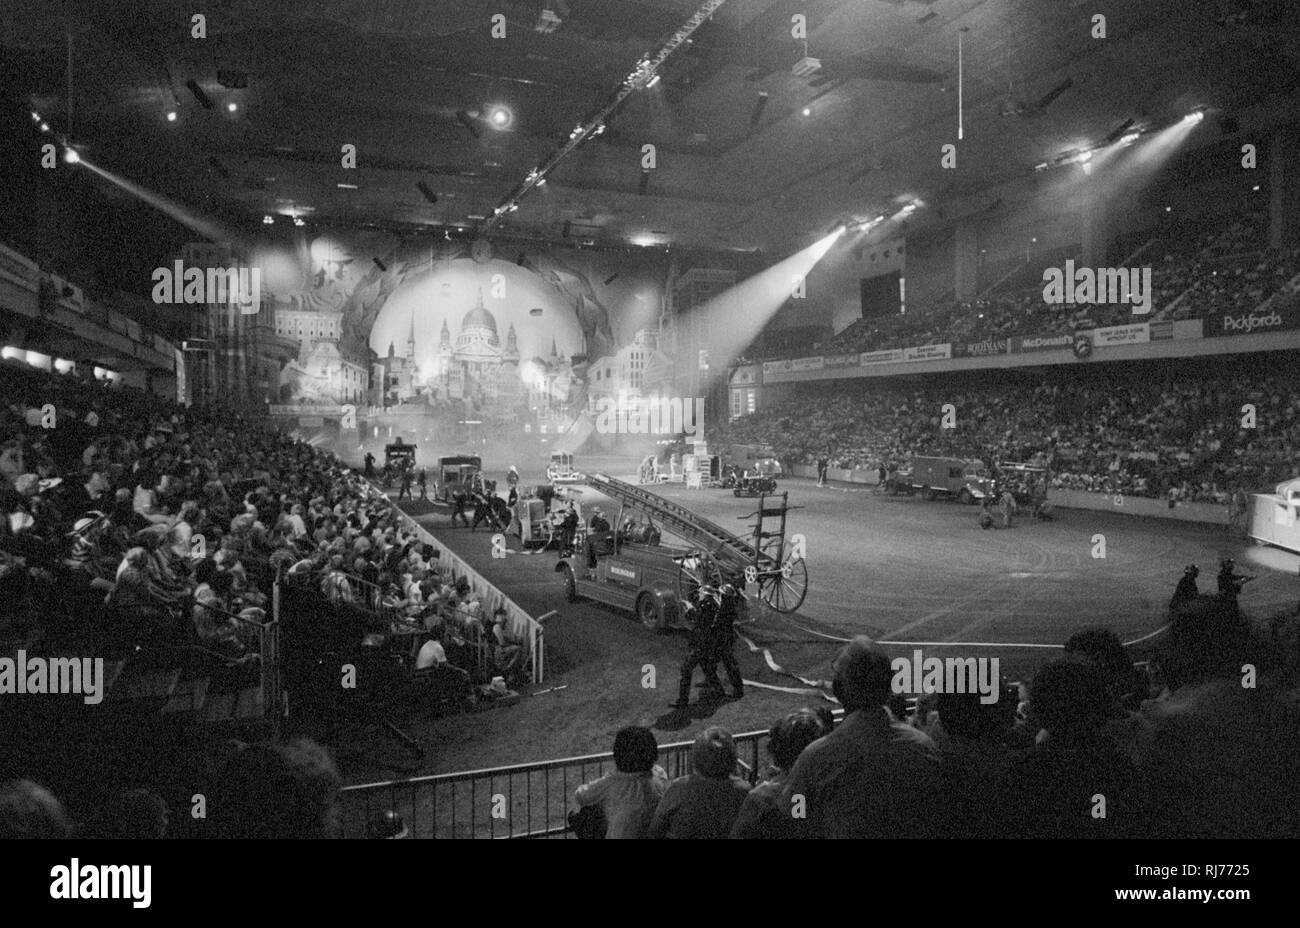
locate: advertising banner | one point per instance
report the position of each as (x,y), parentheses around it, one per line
(843,360)
(1121,335)
(330,412)
(1161,330)
(1040,343)
(1276,319)
(887,356)
(806,364)
(927,352)
(982,349)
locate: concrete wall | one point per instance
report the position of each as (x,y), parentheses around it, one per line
(1211,513)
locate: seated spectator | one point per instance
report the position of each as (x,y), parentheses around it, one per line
(706,802)
(130,814)
(630,795)
(1073,783)
(277,791)
(1219,759)
(975,756)
(760,815)
(28,810)
(862,779)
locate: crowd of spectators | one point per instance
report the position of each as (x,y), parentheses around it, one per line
(1226,270)
(140,531)
(1180,438)
(1093,746)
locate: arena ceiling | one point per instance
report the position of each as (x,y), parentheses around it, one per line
(396,78)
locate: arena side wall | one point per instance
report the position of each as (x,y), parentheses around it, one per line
(1212,513)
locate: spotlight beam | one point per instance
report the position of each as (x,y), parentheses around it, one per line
(208,228)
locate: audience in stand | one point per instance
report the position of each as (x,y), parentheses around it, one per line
(761,814)
(862,780)
(706,802)
(1180,440)
(630,795)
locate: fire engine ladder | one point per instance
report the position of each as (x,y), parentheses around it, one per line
(771,544)
(714,540)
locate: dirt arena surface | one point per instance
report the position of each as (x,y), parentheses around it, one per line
(903,570)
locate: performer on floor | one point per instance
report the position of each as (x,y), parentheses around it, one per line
(1231,582)
(423,483)
(370,464)
(460,501)
(722,640)
(406,484)
(701,615)
(1186,590)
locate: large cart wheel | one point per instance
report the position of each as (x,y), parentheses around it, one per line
(570,585)
(784,590)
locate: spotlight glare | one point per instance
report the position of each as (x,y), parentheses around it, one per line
(1256,187)
(71,156)
(298,221)
(807,111)
(268,220)
(499,117)
(36,117)
(654,80)
(1194,117)
(1129,139)
(45,127)
(541,182)
(232,106)
(171,116)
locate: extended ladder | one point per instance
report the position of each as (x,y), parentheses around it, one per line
(715,540)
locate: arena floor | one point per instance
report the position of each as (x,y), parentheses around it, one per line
(906,571)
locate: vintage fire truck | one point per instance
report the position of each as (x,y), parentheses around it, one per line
(656,555)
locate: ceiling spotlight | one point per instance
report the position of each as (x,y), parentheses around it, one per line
(268,220)
(1130,138)
(1169,209)
(1256,187)
(541,182)
(45,127)
(232,106)
(346,186)
(36,117)
(171,115)
(71,156)
(1084,157)
(1041,166)
(500,117)
(1194,117)
(654,80)
(910,207)
(298,221)
(807,111)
